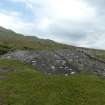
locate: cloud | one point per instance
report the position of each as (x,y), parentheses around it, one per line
(77,22)
(12,20)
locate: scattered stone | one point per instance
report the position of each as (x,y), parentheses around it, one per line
(70,69)
(62,61)
(72,73)
(8,57)
(66,75)
(33,61)
(53,67)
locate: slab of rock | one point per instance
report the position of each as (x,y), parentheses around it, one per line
(60,61)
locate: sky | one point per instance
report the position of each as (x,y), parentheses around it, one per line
(75,22)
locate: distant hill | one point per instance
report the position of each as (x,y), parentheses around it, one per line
(11,41)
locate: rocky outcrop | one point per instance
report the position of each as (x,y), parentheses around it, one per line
(60,61)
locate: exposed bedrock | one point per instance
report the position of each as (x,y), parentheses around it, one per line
(60,61)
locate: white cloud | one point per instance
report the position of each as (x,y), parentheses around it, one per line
(60,9)
(12,20)
(69,21)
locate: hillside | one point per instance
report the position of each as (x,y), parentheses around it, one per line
(53,57)
(35,71)
(15,41)
(20,84)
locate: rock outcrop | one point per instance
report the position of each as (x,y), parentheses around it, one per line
(60,61)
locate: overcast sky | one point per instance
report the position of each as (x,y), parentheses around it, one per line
(76,22)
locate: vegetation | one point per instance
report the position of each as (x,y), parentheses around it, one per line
(26,86)
(21,84)
(18,41)
(4,49)
(101,56)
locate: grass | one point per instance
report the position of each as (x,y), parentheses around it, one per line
(26,86)
(101,56)
(4,49)
(18,41)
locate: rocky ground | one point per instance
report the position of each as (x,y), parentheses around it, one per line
(60,61)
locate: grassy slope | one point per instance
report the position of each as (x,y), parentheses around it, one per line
(18,41)
(101,56)
(26,86)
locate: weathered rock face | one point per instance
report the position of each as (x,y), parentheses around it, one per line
(60,61)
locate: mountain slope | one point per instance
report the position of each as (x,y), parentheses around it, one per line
(18,41)
(50,57)
(34,71)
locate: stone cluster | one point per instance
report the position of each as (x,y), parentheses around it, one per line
(65,62)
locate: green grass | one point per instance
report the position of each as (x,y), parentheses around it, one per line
(101,56)
(4,49)
(26,86)
(20,42)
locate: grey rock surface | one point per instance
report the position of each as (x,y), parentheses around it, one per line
(65,62)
